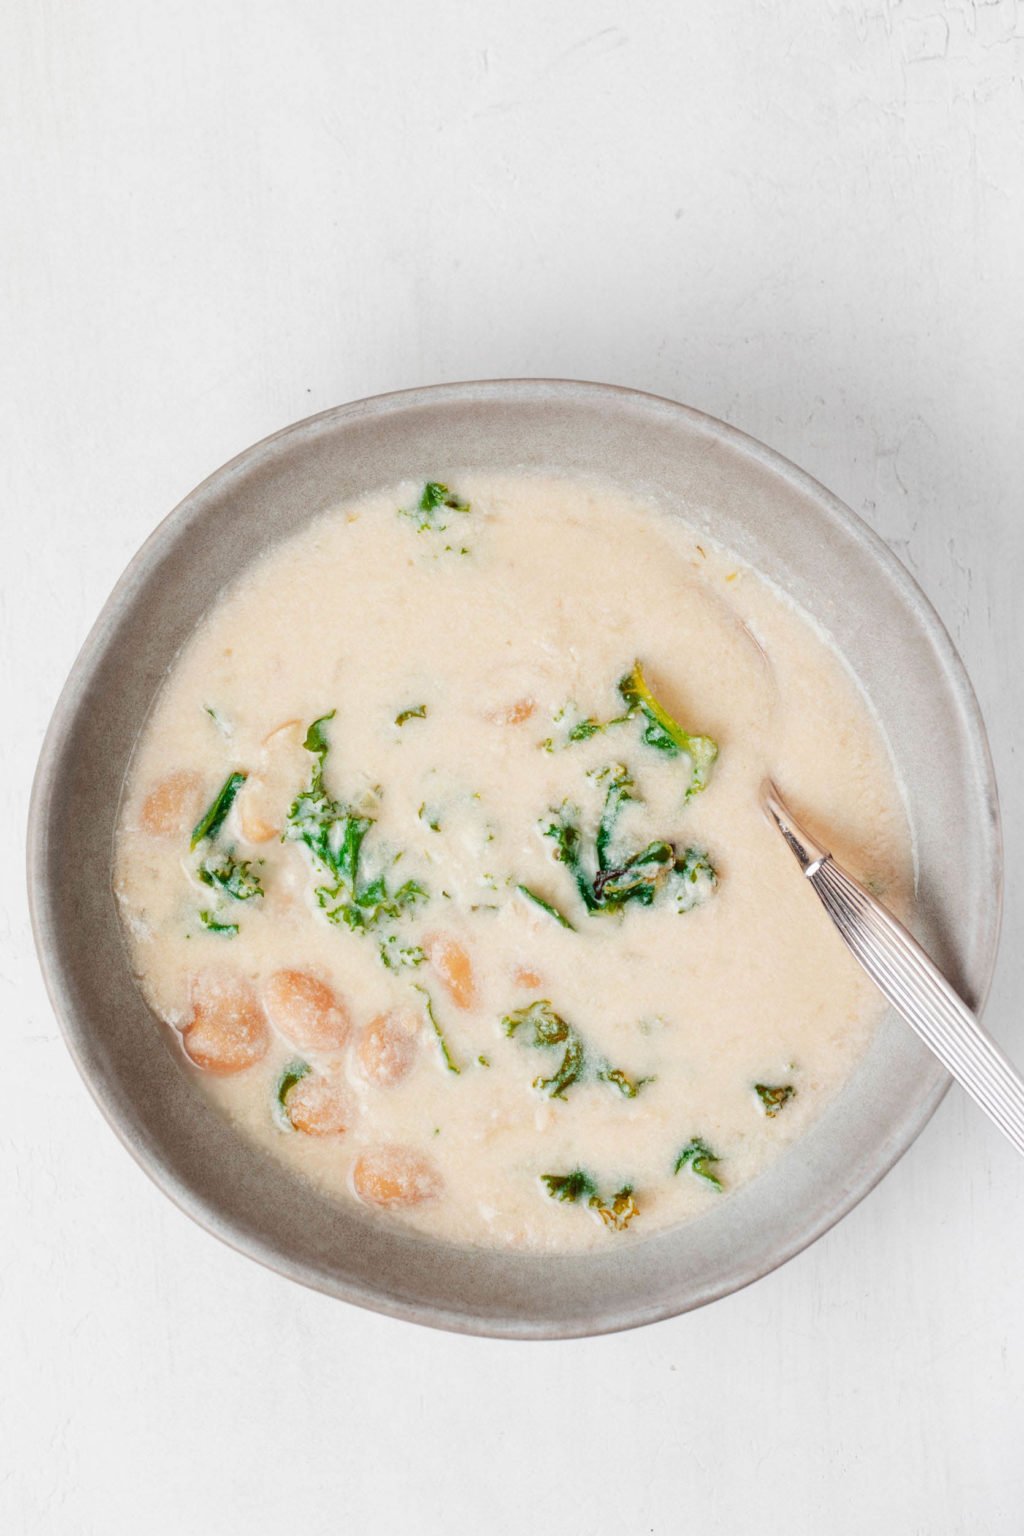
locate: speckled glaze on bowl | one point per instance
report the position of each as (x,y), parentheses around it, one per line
(743,496)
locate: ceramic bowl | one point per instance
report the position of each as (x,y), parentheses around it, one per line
(743,496)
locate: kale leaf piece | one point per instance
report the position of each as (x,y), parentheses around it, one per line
(664,733)
(607,881)
(698,1156)
(334,834)
(430,514)
(578,1186)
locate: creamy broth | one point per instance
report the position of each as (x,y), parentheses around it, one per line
(436,1023)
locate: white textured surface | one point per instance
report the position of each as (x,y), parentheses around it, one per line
(804,216)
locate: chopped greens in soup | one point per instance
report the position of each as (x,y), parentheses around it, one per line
(441,853)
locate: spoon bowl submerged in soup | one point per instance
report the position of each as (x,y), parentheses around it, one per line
(441,852)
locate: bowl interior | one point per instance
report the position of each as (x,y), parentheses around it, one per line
(742,496)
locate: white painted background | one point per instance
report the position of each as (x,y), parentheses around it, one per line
(804,216)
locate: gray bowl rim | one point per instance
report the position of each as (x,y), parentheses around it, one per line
(204,1211)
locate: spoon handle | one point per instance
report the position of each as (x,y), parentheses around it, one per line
(909,980)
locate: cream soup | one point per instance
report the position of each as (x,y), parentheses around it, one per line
(441,853)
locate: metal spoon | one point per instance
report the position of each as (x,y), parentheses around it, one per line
(903,972)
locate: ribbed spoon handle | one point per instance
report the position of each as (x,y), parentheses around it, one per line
(905,975)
